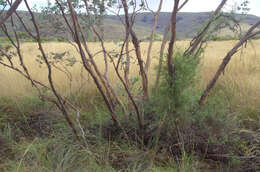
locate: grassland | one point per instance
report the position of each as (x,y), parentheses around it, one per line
(241,78)
(240,83)
(27,150)
(242,71)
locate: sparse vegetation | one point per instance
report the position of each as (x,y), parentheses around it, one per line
(111,106)
(234,106)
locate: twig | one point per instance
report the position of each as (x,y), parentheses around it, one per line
(226,60)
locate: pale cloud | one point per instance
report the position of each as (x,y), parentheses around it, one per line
(36,3)
(191,6)
(206,5)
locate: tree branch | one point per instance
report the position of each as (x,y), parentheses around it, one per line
(10,11)
(226,60)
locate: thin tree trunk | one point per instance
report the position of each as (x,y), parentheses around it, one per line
(148,59)
(86,64)
(12,9)
(60,104)
(164,41)
(136,43)
(199,38)
(226,60)
(171,69)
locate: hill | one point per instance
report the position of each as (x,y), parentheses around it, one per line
(187,24)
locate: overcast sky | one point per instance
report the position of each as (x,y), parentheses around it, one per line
(191,6)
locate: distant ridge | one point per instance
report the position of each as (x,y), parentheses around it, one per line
(188,24)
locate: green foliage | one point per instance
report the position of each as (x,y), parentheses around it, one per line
(54,154)
(228,38)
(3,4)
(176,106)
(61,39)
(222,38)
(25,38)
(256,37)
(47,39)
(65,59)
(179,97)
(7,52)
(21,117)
(157,37)
(4,39)
(23,35)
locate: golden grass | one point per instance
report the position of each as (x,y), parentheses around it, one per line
(228,32)
(241,76)
(241,80)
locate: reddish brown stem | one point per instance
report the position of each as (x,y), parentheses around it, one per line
(12,9)
(171,69)
(195,43)
(226,60)
(156,17)
(136,43)
(86,64)
(60,104)
(164,41)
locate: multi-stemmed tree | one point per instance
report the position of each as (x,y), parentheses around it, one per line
(81,17)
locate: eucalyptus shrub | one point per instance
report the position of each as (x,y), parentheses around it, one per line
(180,96)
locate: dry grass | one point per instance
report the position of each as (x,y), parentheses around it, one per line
(241,84)
(241,76)
(241,81)
(12,84)
(228,32)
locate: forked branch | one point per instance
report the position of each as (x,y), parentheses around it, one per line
(249,34)
(136,44)
(12,9)
(156,17)
(163,44)
(197,40)
(60,103)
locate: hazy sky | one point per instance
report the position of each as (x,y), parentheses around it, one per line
(208,5)
(191,6)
